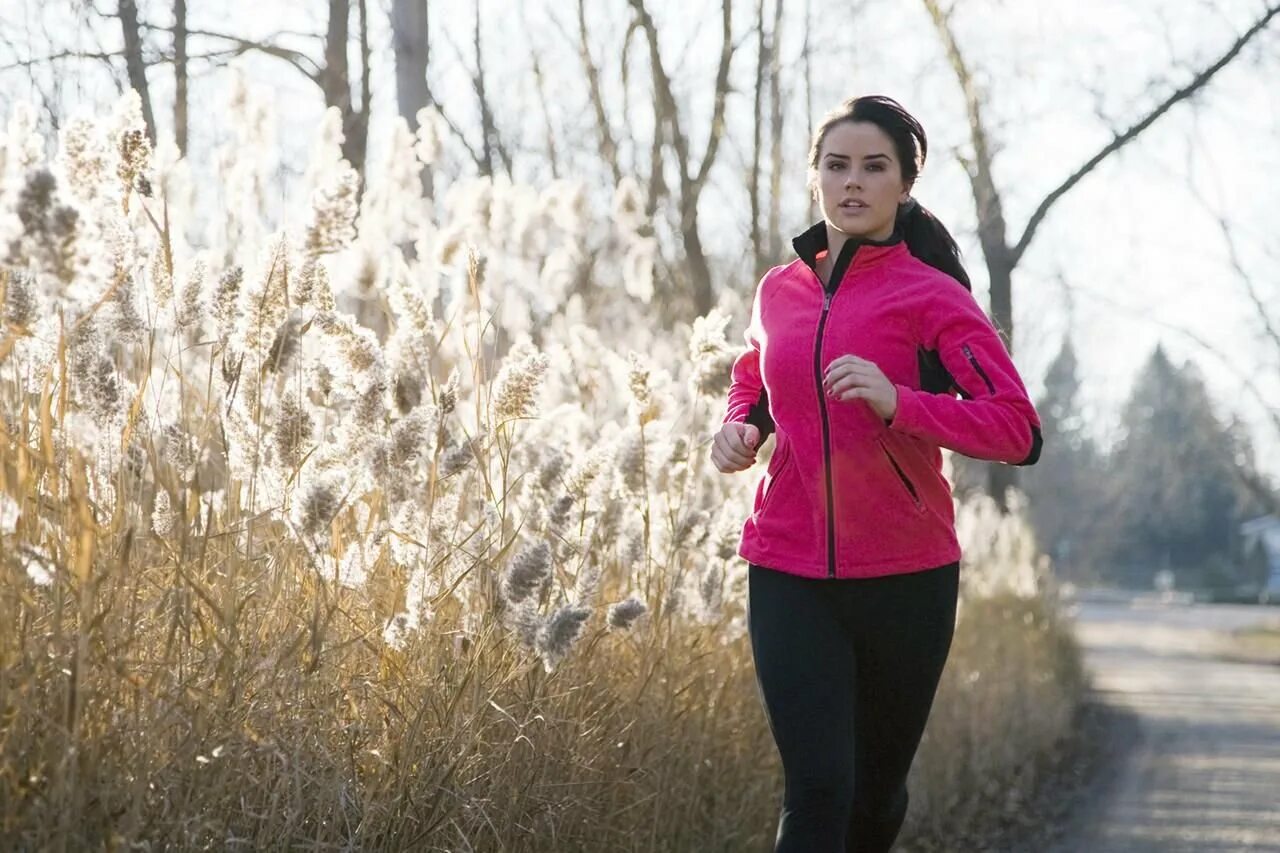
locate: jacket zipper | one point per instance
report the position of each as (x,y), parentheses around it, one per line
(968,353)
(826,432)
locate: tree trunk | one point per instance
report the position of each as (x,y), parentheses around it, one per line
(134,63)
(180,75)
(410,29)
(336,80)
(776,125)
(757,127)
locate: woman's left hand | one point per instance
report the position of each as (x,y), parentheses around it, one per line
(851,378)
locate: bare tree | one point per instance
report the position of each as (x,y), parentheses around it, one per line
(692,178)
(1000,253)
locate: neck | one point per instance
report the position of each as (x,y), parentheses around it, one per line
(837,238)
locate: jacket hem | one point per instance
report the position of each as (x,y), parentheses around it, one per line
(883,568)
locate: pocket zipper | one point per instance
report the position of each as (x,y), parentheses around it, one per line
(973,359)
(902,475)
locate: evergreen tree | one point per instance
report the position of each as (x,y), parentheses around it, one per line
(1064,488)
(1174,498)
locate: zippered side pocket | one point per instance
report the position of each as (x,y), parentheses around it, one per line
(902,475)
(782,453)
(973,360)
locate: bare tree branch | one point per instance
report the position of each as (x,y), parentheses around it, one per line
(295,58)
(55,57)
(1197,83)
(608,147)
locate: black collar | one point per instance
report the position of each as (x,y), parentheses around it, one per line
(814,240)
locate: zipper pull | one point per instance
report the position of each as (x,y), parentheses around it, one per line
(826,300)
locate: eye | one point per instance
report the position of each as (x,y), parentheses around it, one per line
(875,167)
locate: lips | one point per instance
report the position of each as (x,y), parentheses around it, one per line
(853,205)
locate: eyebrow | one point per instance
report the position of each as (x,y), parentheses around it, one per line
(833,156)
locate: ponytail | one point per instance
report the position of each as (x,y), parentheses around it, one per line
(930,241)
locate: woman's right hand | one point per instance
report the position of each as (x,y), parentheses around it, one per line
(734,447)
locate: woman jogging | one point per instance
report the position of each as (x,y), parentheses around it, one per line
(866,354)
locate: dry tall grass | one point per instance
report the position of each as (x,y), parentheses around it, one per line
(367,536)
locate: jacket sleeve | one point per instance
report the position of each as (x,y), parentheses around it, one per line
(994,420)
(748,399)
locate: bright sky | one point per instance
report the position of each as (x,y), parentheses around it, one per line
(1130,257)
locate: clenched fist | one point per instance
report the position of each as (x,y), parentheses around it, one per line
(734,447)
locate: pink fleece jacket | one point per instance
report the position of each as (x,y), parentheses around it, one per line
(847,495)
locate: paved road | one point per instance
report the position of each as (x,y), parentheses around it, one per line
(1197,766)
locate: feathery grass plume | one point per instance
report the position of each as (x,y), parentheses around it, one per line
(710,594)
(586,586)
(711,354)
(264,304)
(564,203)
(370,411)
(624,614)
(333,212)
(21,302)
(226,301)
(321,498)
(406,391)
(1001,555)
(529,572)
(163,518)
(192,306)
(558,515)
(285,344)
(410,437)
(628,206)
(558,634)
(161,280)
(83,159)
(392,206)
(586,470)
(631,460)
(133,147)
(50,229)
(181,451)
(455,459)
(128,324)
(94,380)
(637,268)
(451,247)
(518,383)
(448,400)
(525,622)
(648,403)
(692,530)
(293,430)
(551,470)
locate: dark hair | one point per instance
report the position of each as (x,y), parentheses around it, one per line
(926,237)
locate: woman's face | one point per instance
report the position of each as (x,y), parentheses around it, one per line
(859,184)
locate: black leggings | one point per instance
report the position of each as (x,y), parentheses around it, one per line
(847,671)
